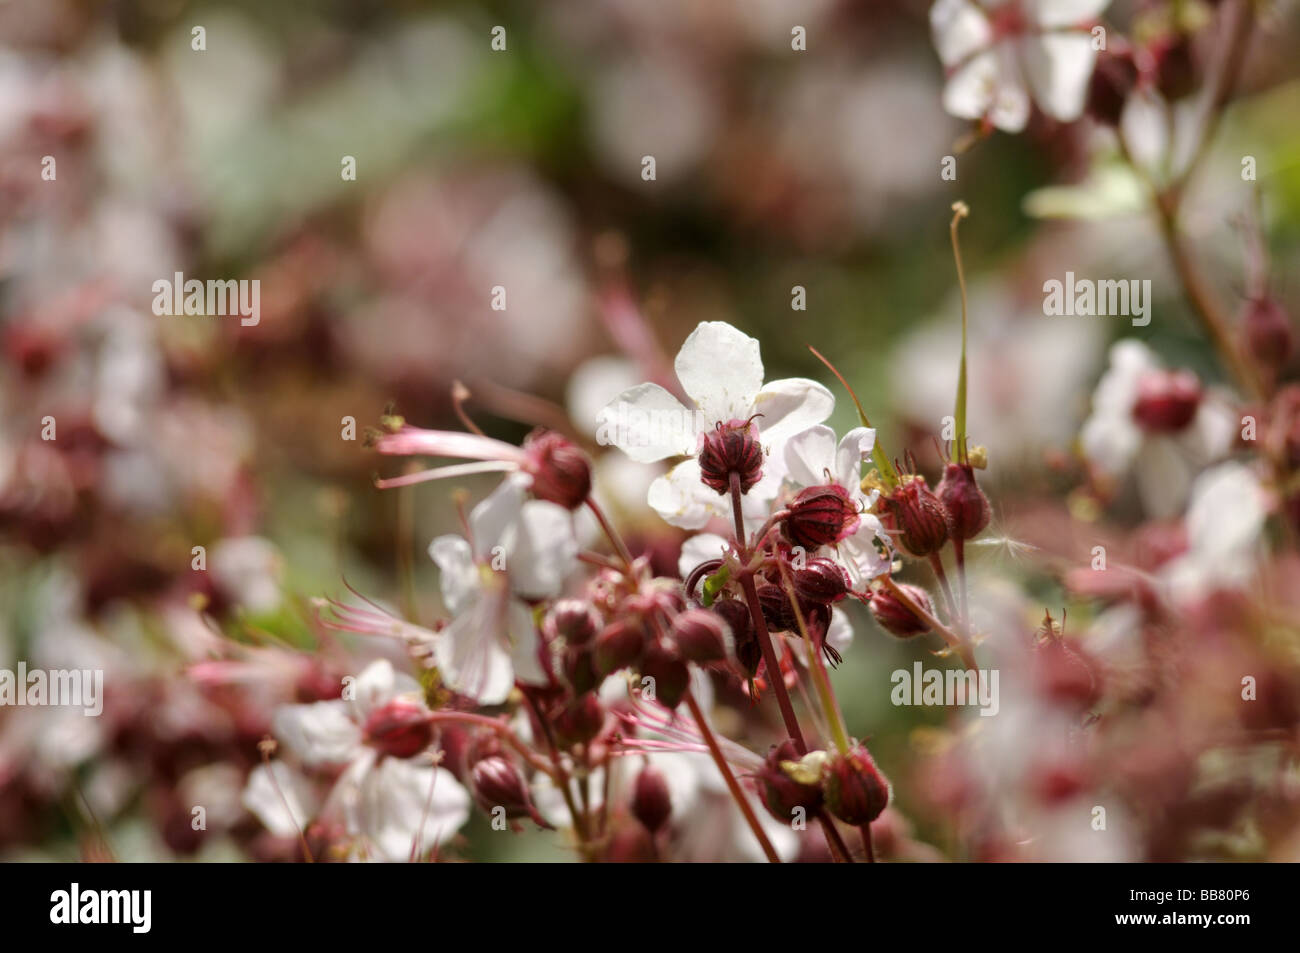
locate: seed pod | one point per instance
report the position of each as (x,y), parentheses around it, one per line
(580,668)
(619,645)
(855,790)
(580,720)
(573,620)
(651,801)
(731,448)
(777,611)
(496,783)
(736,614)
(915,517)
(671,676)
(964,502)
(820,516)
(894,617)
(780,793)
(701,636)
(561,472)
(821,582)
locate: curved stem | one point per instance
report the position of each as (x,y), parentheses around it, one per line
(615,540)
(729,777)
(954,641)
(865,830)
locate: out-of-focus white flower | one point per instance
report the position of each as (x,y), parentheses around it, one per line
(517,550)
(1159,425)
(396,806)
(1224,520)
(721,372)
(1003,54)
(281,798)
(247,569)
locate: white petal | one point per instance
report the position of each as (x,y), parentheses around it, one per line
(524,644)
(969,92)
(863,559)
(789,406)
(1145,125)
(810,456)
(320,733)
(698,549)
(1164,477)
(959,29)
(1227,512)
(1010,108)
(1059,66)
(682,500)
(1062,13)
(491,521)
(378,684)
(459,576)
(401,808)
(854,447)
(721,370)
(543,552)
(471,654)
(281,798)
(648,424)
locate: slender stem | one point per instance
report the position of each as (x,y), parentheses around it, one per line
(502,729)
(959,548)
(949,602)
(817,665)
(730,778)
(865,830)
(954,641)
(760,628)
(617,541)
(839,849)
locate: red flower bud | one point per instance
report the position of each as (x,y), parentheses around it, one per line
(780,793)
(914,517)
(820,516)
(1268,332)
(573,620)
(701,636)
(580,668)
(619,645)
(821,582)
(896,618)
(777,611)
(400,728)
(497,783)
(1176,72)
(1167,400)
(964,502)
(580,720)
(561,472)
(651,802)
(856,792)
(745,644)
(731,448)
(671,676)
(1113,80)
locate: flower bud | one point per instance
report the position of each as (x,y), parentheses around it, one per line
(1268,332)
(914,517)
(745,644)
(779,791)
(1113,80)
(964,502)
(619,645)
(821,582)
(1175,67)
(701,636)
(856,792)
(561,472)
(401,728)
(896,618)
(1167,401)
(496,783)
(580,668)
(731,448)
(580,720)
(671,676)
(573,620)
(651,802)
(820,516)
(777,611)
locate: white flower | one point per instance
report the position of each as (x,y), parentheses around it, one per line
(812,458)
(1000,53)
(721,372)
(1224,520)
(396,806)
(518,550)
(1163,462)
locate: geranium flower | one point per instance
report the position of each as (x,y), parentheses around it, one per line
(517,551)
(1000,54)
(813,458)
(721,372)
(395,805)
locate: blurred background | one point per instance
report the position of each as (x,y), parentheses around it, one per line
(476,168)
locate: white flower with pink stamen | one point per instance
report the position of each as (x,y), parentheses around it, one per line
(1001,55)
